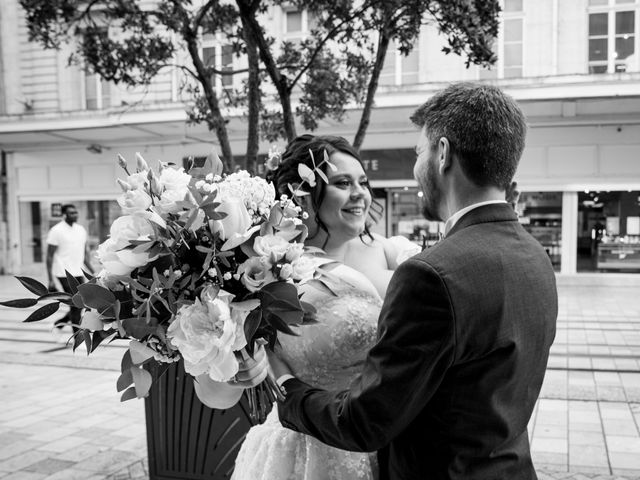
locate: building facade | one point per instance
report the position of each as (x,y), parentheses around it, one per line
(573,66)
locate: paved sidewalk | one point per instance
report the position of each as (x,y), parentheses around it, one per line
(61,417)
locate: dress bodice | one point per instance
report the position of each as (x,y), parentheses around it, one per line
(330,353)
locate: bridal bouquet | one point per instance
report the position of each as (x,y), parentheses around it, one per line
(200,267)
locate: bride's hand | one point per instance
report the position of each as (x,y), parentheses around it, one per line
(252,371)
(277,366)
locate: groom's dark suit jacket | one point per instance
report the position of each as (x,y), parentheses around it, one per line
(463,341)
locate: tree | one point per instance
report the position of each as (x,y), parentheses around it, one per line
(341,60)
(336,65)
(125,43)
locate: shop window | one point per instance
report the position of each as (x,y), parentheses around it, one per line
(407,219)
(36,218)
(609,231)
(613,41)
(541,215)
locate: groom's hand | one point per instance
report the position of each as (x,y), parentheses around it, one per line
(252,371)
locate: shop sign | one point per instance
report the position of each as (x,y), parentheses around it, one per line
(396,164)
(56,209)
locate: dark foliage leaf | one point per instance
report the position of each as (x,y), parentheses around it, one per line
(63,297)
(97,297)
(77,300)
(43,312)
(33,285)
(278,323)
(98,337)
(251,324)
(137,327)
(73,283)
(20,303)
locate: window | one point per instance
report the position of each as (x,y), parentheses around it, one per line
(96,92)
(512,56)
(399,69)
(509,45)
(613,42)
(220,57)
(96,89)
(293,22)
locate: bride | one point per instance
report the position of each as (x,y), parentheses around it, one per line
(329,353)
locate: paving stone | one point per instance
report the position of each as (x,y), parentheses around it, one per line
(49,465)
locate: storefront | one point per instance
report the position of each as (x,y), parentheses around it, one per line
(579,177)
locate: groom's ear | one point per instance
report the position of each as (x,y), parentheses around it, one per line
(444,155)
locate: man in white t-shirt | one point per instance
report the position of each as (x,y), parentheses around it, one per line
(67,251)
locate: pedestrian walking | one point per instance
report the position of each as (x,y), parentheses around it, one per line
(67,251)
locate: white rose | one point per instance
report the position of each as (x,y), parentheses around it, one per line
(205,334)
(257,273)
(138,180)
(237,219)
(111,264)
(294,251)
(115,258)
(169,198)
(303,269)
(271,246)
(130,227)
(174,179)
(134,201)
(286,271)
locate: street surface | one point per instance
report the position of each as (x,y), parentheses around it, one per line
(61,417)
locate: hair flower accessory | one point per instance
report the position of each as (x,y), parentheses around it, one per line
(274,157)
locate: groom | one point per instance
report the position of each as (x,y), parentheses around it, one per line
(466,326)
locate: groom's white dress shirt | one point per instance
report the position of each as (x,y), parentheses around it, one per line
(453,219)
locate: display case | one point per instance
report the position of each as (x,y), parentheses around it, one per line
(618,256)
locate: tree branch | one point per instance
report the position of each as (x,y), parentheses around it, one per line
(331,34)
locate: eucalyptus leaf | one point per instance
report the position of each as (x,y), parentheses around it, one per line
(129,394)
(140,353)
(142,381)
(124,380)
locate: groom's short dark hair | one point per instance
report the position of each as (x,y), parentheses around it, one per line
(485,128)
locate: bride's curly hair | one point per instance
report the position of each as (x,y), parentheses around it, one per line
(297,152)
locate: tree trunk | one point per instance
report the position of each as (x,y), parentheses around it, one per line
(365,118)
(287,114)
(217,122)
(253,99)
(247,13)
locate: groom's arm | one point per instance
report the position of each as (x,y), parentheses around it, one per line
(415,349)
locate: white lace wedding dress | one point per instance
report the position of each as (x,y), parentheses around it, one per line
(329,355)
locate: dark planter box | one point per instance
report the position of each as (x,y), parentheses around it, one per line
(187,440)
